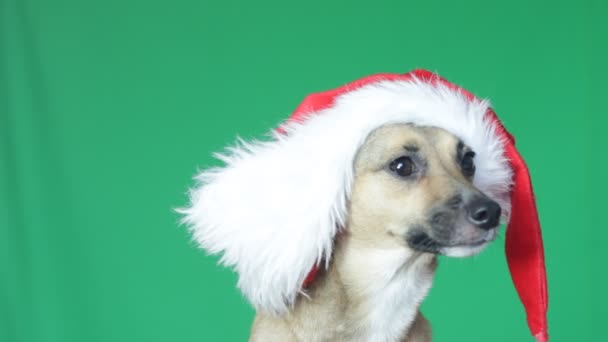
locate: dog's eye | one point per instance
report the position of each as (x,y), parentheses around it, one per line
(403,166)
(467,164)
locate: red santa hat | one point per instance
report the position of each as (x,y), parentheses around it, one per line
(274,208)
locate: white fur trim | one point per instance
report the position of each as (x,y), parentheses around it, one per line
(274,208)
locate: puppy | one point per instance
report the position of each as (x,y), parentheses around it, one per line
(412,200)
(367,184)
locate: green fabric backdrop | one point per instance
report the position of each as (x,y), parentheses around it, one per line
(107,108)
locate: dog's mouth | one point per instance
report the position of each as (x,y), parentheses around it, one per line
(422,242)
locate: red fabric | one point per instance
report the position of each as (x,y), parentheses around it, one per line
(311,276)
(524,246)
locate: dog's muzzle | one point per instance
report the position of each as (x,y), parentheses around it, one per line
(459,224)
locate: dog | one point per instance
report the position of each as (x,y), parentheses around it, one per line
(412,200)
(334,224)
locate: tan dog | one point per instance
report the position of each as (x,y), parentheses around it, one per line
(367,184)
(412,199)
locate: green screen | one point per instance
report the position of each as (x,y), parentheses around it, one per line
(107,109)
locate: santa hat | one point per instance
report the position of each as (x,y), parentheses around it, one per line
(274,208)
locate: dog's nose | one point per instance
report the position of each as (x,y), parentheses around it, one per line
(484,213)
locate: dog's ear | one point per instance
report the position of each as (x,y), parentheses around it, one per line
(272,211)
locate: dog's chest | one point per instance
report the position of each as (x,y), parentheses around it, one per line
(394,298)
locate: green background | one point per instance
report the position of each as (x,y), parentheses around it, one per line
(107,108)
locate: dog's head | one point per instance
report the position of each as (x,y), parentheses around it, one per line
(414,186)
(274,209)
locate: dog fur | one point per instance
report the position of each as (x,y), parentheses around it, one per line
(323,191)
(378,274)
